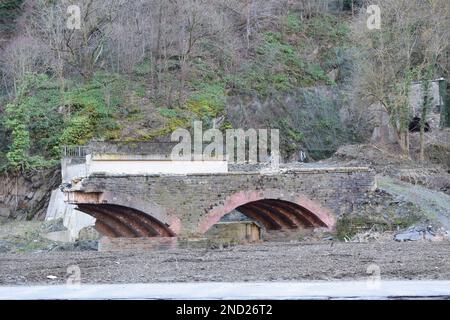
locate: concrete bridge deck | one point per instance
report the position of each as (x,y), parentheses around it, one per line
(187,206)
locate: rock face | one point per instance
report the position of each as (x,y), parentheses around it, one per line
(5,212)
(26,197)
(4,246)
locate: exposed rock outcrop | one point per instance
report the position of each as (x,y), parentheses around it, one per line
(26,197)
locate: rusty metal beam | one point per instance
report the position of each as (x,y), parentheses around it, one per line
(158,229)
(255,216)
(105,230)
(119,221)
(312,219)
(267,216)
(274,210)
(113,222)
(126,220)
(295,210)
(141,219)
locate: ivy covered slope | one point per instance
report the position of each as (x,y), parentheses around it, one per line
(41,119)
(288,57)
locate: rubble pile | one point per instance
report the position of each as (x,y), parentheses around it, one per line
(422,233)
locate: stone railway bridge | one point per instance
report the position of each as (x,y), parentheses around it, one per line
(187,206)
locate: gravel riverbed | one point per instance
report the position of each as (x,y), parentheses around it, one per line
(297,261)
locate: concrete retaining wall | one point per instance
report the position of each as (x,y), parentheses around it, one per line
(133,164)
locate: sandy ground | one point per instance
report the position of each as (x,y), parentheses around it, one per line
(261,262)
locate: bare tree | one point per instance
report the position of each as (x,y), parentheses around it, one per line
(83,49)
(23,55)
(411,39)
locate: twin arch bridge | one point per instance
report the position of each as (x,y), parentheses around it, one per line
(187,206)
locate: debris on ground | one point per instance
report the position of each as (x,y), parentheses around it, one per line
(421,233)
(53,226)
(5,246)
(367,236)
(83,245)
(30,236)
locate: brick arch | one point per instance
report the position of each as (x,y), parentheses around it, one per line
(275,209)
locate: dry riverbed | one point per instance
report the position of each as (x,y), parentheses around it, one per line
(298,261)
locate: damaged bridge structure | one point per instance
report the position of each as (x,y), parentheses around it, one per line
(168,208)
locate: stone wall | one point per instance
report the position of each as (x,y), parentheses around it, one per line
(136,244)
(235,232)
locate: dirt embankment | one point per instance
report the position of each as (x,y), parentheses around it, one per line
(435,206)
(388,161)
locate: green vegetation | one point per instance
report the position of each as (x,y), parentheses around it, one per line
(42,118)
(319,121)
(48,111)
(142,80)
(208,101)
(282,60)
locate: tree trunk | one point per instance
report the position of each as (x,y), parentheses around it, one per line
(248,21)
(422,144)
(403,142)
(407,144)
(157,84)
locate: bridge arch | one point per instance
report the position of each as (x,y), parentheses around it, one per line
(117,221)
(124,215)
(274,209)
